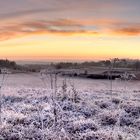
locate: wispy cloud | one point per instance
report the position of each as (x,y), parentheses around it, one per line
(16,8)
(69,27)
(128,30)
(24,13)
(61,27)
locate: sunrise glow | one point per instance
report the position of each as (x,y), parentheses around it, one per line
(84,30)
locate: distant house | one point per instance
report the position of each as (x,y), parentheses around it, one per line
(5,71)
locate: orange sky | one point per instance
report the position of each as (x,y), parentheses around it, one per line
(41,30)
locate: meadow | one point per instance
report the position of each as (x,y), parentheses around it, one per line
(44,107)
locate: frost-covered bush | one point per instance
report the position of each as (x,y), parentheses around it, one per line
(81,126)
(103,104)
(86,111)
(96,136)
(137,124)
(108,118)
(12,99)
(68,106)
(126,120)
(116,100)
(133,110)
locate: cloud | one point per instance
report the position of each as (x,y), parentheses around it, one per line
(69,27)
(131,31)
(25,13)
(60,27)
(116,27)
(127,29)
(12,8)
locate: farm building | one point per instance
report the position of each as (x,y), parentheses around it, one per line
(5,71)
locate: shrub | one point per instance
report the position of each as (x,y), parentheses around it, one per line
(87,111)
(81,126)
(125,119)
(116,101)
(96,136)
(133,110)
(108,119)
(102,104)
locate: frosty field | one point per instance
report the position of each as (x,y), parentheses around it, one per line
(76,109)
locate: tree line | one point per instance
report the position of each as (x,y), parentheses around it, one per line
(7,64)
(116,63)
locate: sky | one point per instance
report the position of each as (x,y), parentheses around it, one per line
(69,29)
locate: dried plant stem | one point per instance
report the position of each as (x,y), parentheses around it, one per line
(0,107)
(2,82)
(51,80)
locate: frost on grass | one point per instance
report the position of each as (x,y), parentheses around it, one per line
(32,114)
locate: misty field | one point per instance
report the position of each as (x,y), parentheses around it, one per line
(72,109)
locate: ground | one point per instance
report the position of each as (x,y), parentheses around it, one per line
(77,109)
